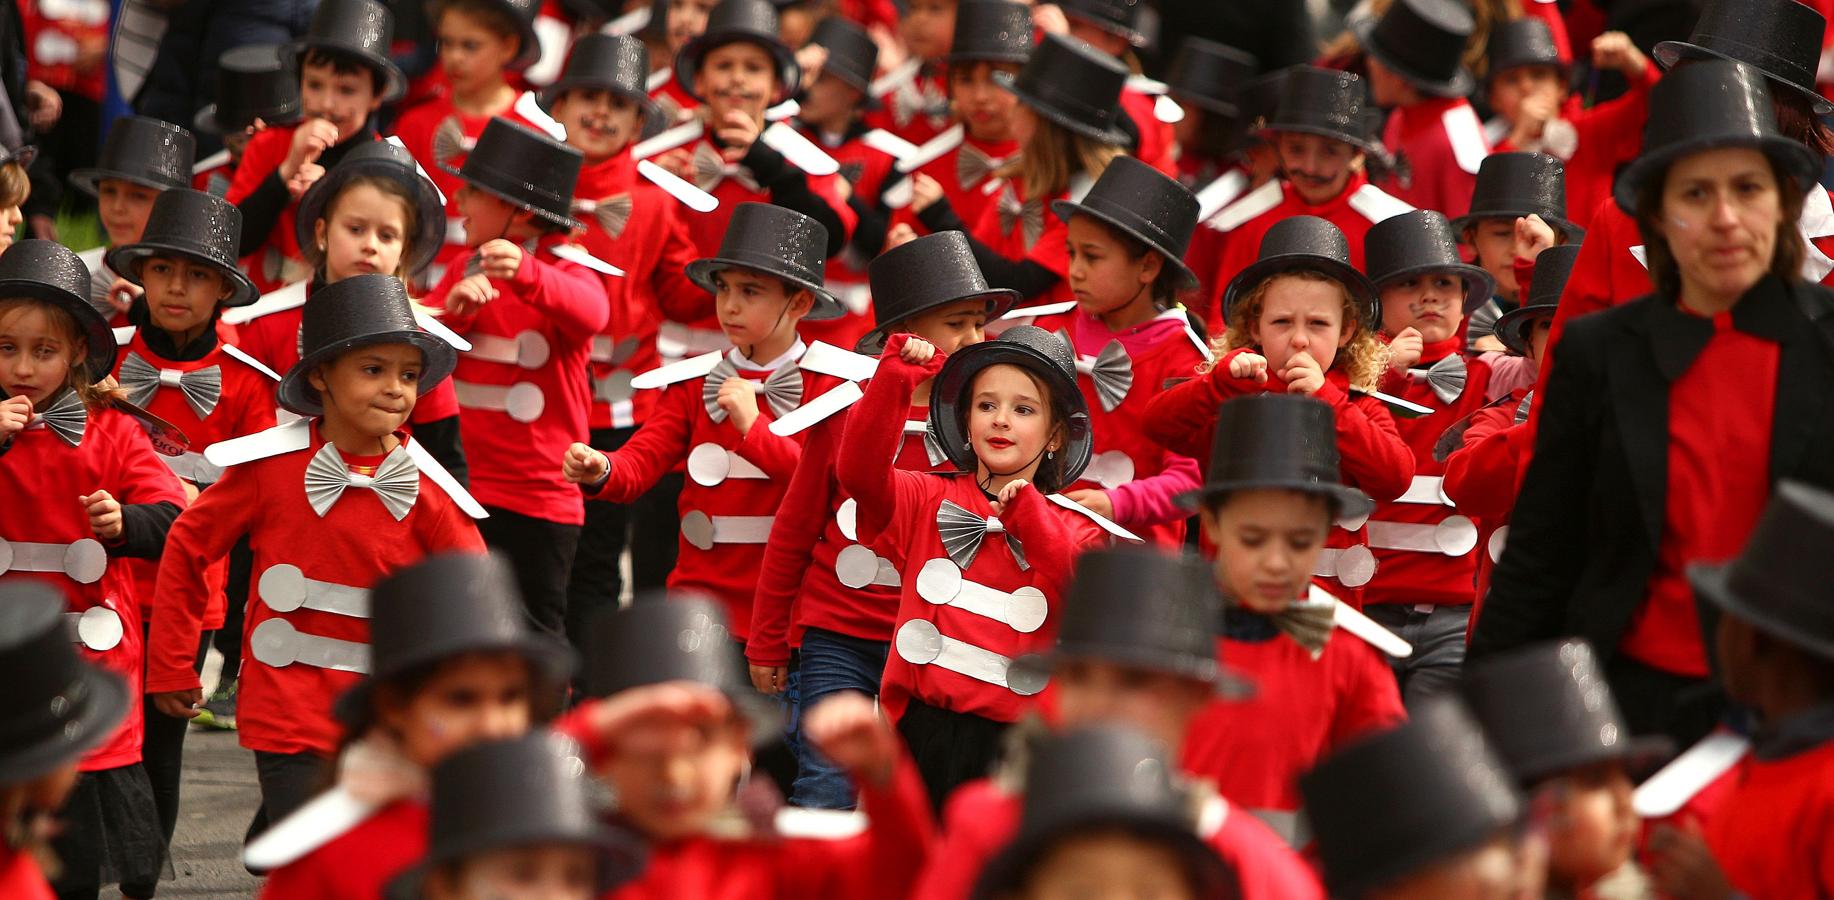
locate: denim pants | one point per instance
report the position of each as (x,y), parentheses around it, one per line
(1438,636)
(830,663)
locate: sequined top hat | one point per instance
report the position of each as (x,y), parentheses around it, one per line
(1419,243)
(147,152)
(932,271)
(617,63)
(1708,106)
(1324,102)
(1552,267)
(253,82)
(522,13)
(1144,204)
(55,706)
(771,239)
(377,159)
(1517,184)
(991,31)
(1523,42)
(1438,786)
(200,227)
(852,55)
(362,30)
(1547,709)
(1209,74)
(1779,582)
(1306,243)
(1277,442)
(751,21)
(358,312)
(49,271)
(1780,38)
(1074,85)
(526,169)
(1423,41)
(680,638)
(1117,17)
(1039,352)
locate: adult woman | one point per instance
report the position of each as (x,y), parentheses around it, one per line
(1669,418)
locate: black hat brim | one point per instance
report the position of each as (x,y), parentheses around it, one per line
(968,57)
(1712,582)
(1064,209)
(97,334)
(620,858)
(999,300)
(1570,232)
(104,708)
(1361,291)
(1008,83)
(1459,85)
(1205,102)
(428,210)
(954,380)
(1228,683)
(552,661)
(827,306)
(1508,325)
(1479,283)
(297,394)
(1792,156)
(126,259)
(647,106)
(1640,756)
(89,180)
(687,62)
(208,122)
(546,215)
(1362,142)
(394,81)
(1667,53)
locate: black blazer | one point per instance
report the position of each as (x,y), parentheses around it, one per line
(1583,536)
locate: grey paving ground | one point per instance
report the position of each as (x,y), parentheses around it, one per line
(219,799)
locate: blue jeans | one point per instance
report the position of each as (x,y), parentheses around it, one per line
(830,663)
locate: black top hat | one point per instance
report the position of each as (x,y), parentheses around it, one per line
(991,31)
(1037,351)
(1547,709)
(521,792)
(55,706)
(253,82)
(362,30)
(1517,184)
(921,275)
(1325,102)
(49,271)
(528,169)
(1552,267)
(1707,106)
(1073,85)
(1121,17)
(147,152)
(200,227)
(377,159)
(1780,38)
(1421,243)
(1104,779)
(358,312)
(763,237)
(1779,582)
(1141,607)
(1439,787)
(681,638)
(1144,204)
(852,55)
(1210,74)
(1523,42)
(1277,441)
(611,62)
(752,21)
(523,13)
(1312,244)
(1423,41)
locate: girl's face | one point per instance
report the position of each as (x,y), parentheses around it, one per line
(984,107)
(1593,828)
(472,698)
(1105,275)
(951,327)
(1096,692)
(364,233)
(345,99)
(1301,316)
(540,872)
(1010,425)
(672,776)
(599,122)
(928,28)
(1267,544)
(1493,241)
(1318,167)
(10,217)
(753,309)
(181,294)
(739,76)
(124,207)
(487,217)
(371,389)
(1720,212)
(471,54)
(1108,866)
(687,19)
(1432,304)
(35,353)
(1537,339)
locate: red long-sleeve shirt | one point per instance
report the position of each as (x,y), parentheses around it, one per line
(1439,144)
(915,123)
(1609,135)
(268,267)
(968,199)
(416,128)
(1483,476)
(1774,835)
(1005,234)
(1158,145)
(358,864)
(20,877)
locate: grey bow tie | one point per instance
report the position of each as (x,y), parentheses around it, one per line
(710,168)
(449,140)
(918,97)
(1029,214)
(932,447)
(963,531)
(1446,377)
(203,388)
(396,482)
(782,389)
(1308,622)
(1112,370)
(971,165)
(1482,323)
(1528,400)
(66,417)
(612,213)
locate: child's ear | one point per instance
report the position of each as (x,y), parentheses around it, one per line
(316,378)
(802,302)
(319,231)
(1149,272)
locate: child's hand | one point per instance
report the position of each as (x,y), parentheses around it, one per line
(916,350)
(925,191)
(500,259)
(736,131)
(1094,500)
(1537,109)
(584,465)
(313,138)
(1303,374)
(1405,350)
(1048,18)
(769,679)
(303,179)
(1615,50)
(104,514)
(122,294)
(847,728)
(1532,236)
(1008,492)
(740,402)
(811,58)
(179,704)
(891,50)
(614,716)
(1249,365)
(15,415)
(678,162)
(901,234)
(1683,867)
(470,295)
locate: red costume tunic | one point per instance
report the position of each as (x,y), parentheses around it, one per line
(1774,835)
(917,106)
(437,133)
(358,864)
(1439,144)
(1601,139)
(674,102)
(964,174)
(1158,145)
(1028,230)
(1483,476)
(20,877)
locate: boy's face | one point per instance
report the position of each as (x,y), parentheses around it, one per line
(345,99)
(1432,304)
(600,123)
(474,698)
(471,55)
(35,357)
(1493,241)
(984,107)
(487,216)
(951,327)
(753,309)
(928,28)
(365,233)
(1318,167)
(1301,316)
(1108,865)
(540,872)
(1510,87)
(1267,545)
(687,19)
(796,24)
(739,76)
(1592,827)
(830,101)
(372,389)
(181,294)
(124,206)
(1491,872)
(673,775)
(1096,692)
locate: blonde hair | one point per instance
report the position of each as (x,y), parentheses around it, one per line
(15,187)
(387,187)
(1362,360)
(1045,165)
(67,328)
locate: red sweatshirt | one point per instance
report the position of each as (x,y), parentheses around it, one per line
(1003,228)
(20,877)
(417,128)
(287,708)
(358,864)
(670,98)
(1606,136)
(279,257)
(1158,145)
(41,478)
(968,196)
(917,108)
(1483,476)
(1438,144)
(865,169)
(1774,836)
(524,387)
(981,818)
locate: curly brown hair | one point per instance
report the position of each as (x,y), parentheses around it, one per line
(1362,360)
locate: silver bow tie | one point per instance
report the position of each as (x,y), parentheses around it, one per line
(971,165)
(396,482)
(1446,377)
(710,168)
(1528,400)
(918,96)
(1482,322)
(1112,370)
(202,388)
(1029,214)
(1308,622)
(932,447)
(66,417)
(782,389)
(612,213)
(100,281)
(963,531)
(449,140)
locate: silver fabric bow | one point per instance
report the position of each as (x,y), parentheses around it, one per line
(782,389)
(1528,399)
(612,213)
(710,168)
(66,417)
(962,532)
(918,96)
(971,165)
(1029,215)
(1446,377)
(1309,623)
(100,281)
(932,447)
(1482,322)
(202,388)
(1112,370)
(449,140)
(396,482)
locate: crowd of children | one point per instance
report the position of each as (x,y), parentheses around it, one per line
(872,449)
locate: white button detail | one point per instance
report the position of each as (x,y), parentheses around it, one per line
(921,644)
(703,531)
(1426,489)
(284,588)
(710,464)
(1110,469)
(277,643)
(940,582)
(1498,540)
(1351,566)
(1456,536)
(528,350)
(846,517)
(857,567)
(523,401)
(83,561)
(97,628)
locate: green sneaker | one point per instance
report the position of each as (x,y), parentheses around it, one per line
(219,711)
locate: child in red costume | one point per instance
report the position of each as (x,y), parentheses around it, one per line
(1414,54)
(914,104)
(1268,500)
(141,158)
(817,588)
(320,536)
(1519,202)
(983,554)
(1135,648)
(1303,323)
(452,664)
(1114,29)
(255,91)
(95,493)
(672,24)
